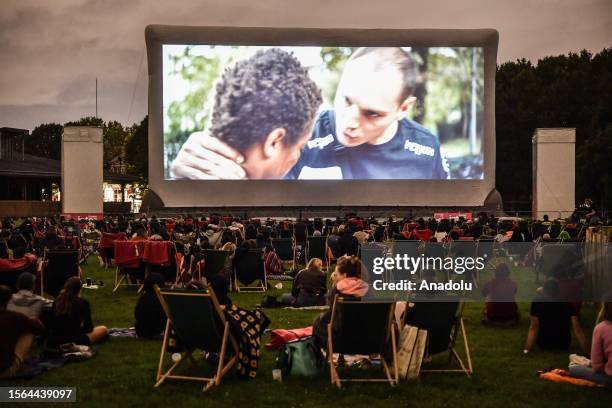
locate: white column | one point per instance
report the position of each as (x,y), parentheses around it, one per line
(82,172)
(554,172)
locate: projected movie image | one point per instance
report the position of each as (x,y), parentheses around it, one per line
(322,113)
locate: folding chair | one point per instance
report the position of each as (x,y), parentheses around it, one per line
(380,233)
(214,262)
(159,256)
(485,248)
(249,267)
(466,249)
(128,263)
(10,269)
(106,246)
(364,328)
(285,250)
(316,247)
(300,233)
(58,266)
(443,320)
(199,323)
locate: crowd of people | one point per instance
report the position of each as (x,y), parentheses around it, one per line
(67,319)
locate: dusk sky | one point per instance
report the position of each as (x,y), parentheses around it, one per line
(52,51)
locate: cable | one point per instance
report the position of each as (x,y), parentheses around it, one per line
(135,85)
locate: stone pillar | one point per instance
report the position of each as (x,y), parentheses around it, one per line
(554,172)
(82,172)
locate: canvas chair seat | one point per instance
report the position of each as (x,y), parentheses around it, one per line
(249,267)
(362,328)
(58,266)
(443,320)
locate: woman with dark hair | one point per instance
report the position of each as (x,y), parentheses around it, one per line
(600,370)
(71,320)
(552,321)
(149,314)
(500,306)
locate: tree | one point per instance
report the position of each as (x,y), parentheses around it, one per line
(45,141)
(87,121)
(561,91)
(137,150)
(594,167)
(115,138)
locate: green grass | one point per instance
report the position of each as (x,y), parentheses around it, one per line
(123,372)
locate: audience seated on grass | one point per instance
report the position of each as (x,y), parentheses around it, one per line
(149,314)
(600,370)
(346,282)
(500,292)
(552,322)
(25,301)
(71,321)
(309,286)
(18,333)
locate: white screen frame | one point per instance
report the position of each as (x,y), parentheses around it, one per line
(321,193)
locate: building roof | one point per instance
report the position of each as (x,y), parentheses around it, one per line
(31,166)
(41,167)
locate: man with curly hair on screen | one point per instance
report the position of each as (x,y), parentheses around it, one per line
(366,136)
(263,107)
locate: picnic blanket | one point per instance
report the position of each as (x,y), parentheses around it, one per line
(129,332)
(35,366)
(247,327)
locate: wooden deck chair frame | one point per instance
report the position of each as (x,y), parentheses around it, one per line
(391,379)
(459,326)
(261,287)
(121,276)
(222,368)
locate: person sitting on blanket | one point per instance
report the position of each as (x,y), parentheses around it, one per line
(149,314)
(71,321)
(25,301)
(552,321)
(18,333)
(600,370)
(347,283)
(309,286)
(500,306)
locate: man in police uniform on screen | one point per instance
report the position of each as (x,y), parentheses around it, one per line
(366,136)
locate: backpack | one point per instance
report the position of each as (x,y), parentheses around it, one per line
(301,358)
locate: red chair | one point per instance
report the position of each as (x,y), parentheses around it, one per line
(106,247)
(423,235)
(10,269)
(158,256)
(128,262)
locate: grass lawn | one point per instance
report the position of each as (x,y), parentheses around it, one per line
(123,372)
